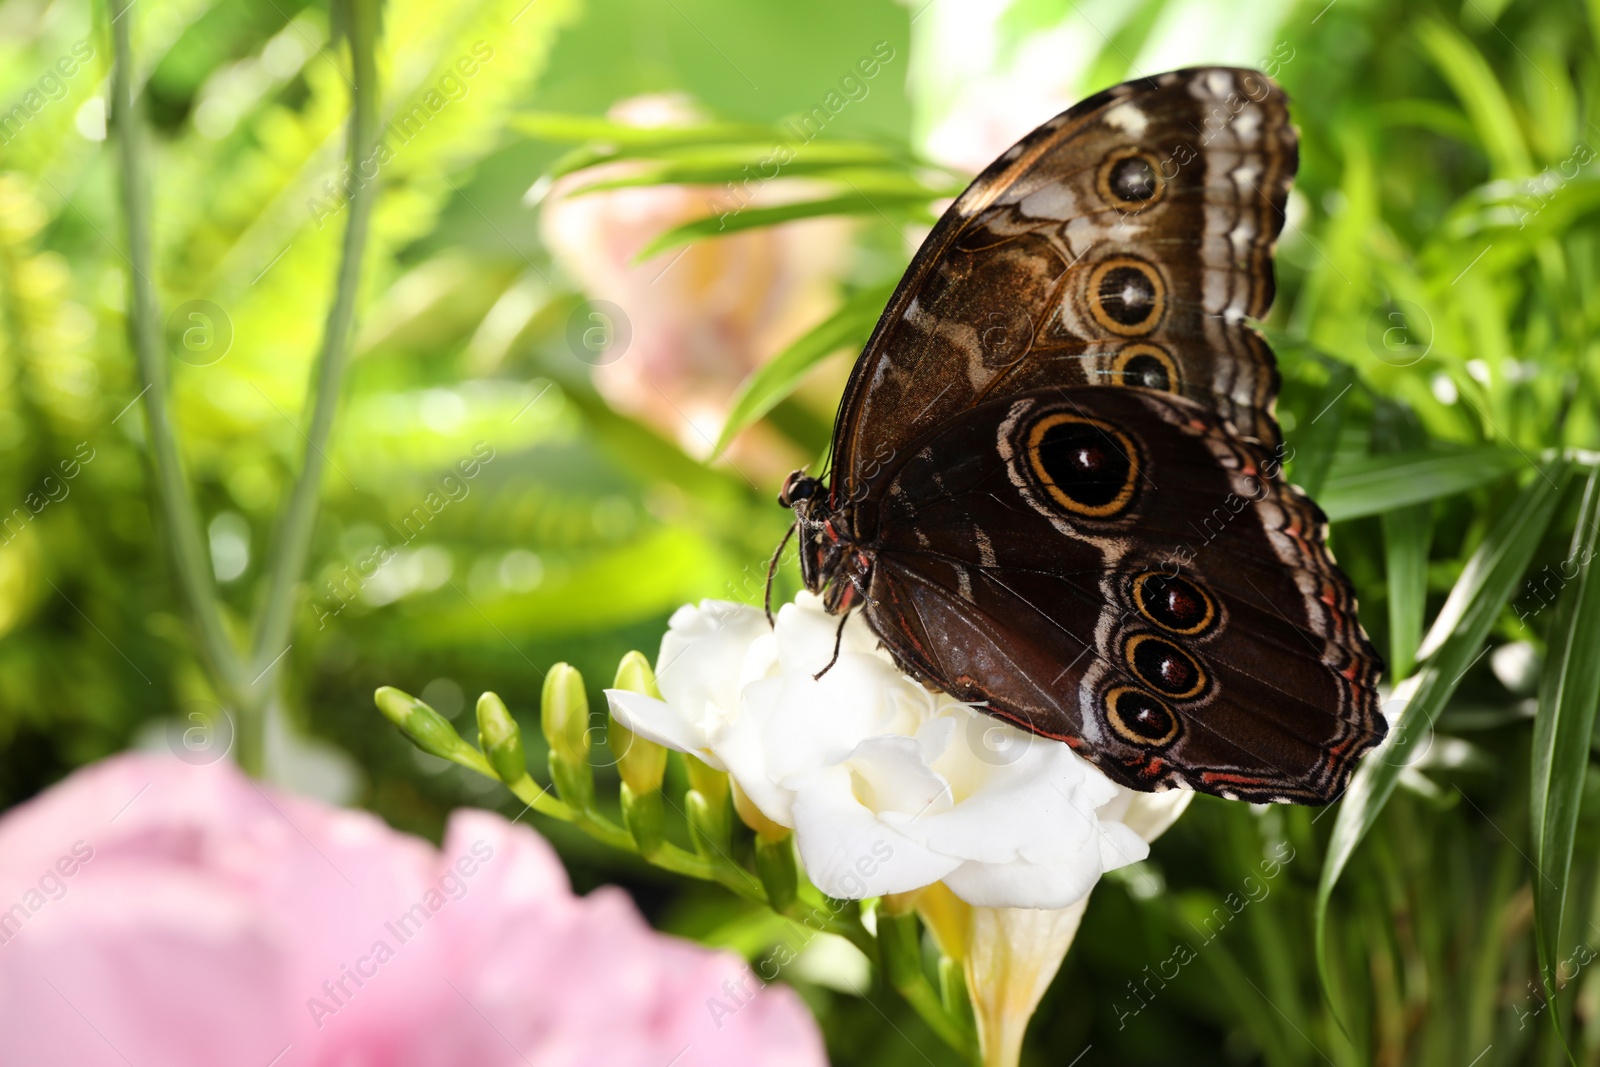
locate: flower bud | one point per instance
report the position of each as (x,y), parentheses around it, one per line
(775,864)
(900,943)
(565,713)
(706,805)
(640,761)
(501,739)
(644,818)
(707,780)
(708,822)
(426,728)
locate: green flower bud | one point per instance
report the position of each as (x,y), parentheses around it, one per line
(707,780)
(501,739)
(634,675)
(426,728)
(775,864)
(565,716)
(900,945)
(708,823)
(642,814)
(565,721)
(640,762)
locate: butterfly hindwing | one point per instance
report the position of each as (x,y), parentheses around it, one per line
(1118,570)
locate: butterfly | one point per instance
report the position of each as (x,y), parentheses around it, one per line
(1056,486)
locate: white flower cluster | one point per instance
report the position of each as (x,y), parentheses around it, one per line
(888,787)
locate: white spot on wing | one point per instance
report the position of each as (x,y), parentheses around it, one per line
(1054,201)
(1128,119)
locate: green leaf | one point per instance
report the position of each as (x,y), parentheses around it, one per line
(770,383)
(1317,440)
(1453,645)
(1407,534)
(1373,485)
(757,217)
(1568,695)
(739,173)
(1481,94)
(581,129)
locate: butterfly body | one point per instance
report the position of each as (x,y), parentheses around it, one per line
(1057,481)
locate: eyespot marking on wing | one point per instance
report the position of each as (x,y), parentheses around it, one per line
(1140,718)
(1126,295)
(1087,466)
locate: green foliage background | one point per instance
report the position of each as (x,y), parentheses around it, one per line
(1448,191)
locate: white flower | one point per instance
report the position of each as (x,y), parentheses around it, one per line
(888,787)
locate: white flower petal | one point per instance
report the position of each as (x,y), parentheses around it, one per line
(887,786)
(1026,885)
(848,851)
(1036,807)
(702,656)
(806,632)
(742,746)
(1012,956)
(892,779)
(660,722)
(1149,814)
(1120,846)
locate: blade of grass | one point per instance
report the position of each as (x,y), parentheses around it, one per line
(769,384)
(758,217)
(1452,646)
(1407,533)
(1568,695)
(577,129)
(1375,485)
(748,173)
(1317,440)
(1481,95)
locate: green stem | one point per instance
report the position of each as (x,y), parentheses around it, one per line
(190,557)
(300,514)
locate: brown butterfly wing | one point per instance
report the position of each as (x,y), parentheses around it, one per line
(1125,241)
(1115,568)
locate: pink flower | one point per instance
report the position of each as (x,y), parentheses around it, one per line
(701,317)
(157,913)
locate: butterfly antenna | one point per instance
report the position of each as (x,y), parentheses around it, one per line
(838,636)
(772,569)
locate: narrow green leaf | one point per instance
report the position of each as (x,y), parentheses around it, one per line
(1453,645)
(1316,441)
(1568,695)
(1377,484)
(769,156)
(1481,94)
(744,175)
(579,129)
(770,383)
(757,217)
(1407,533)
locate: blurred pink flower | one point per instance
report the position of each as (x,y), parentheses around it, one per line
(703,316)
(153,912)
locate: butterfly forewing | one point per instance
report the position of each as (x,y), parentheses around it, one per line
(1124,242)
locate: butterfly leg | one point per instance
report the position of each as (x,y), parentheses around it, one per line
(838,638)
(772,569)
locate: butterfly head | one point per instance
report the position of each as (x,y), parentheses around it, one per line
(797,488)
